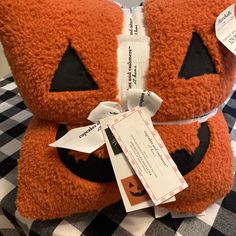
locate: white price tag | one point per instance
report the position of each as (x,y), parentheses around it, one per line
(147,155)
(225,28)
(133,193)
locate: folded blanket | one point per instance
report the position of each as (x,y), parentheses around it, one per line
(63,55)
(55,183)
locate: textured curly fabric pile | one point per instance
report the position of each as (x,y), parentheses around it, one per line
(63,55)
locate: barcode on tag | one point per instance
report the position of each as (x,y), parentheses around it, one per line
(147,155)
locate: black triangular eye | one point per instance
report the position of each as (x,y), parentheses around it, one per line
(71,74)
(197,61)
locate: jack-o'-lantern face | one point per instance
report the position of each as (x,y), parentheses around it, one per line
(66,182)
(64,55)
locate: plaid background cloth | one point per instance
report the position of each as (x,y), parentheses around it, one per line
(220,218)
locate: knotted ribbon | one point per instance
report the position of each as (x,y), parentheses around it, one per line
(89,138)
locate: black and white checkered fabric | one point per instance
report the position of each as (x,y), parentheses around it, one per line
(220,218)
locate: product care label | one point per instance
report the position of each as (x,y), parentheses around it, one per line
(225,28)
(147,155)
(133,193)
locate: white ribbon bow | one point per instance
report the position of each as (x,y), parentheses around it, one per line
(89,138)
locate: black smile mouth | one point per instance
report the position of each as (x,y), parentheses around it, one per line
(186,162)
(93,169)
(99,170)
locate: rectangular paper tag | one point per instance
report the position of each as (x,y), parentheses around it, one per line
(147,155)
(132,192)
(225,28)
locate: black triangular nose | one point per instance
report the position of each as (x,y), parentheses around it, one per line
(71,74)
(197,61)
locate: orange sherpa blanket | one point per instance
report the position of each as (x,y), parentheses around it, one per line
(63,55)
(58,182)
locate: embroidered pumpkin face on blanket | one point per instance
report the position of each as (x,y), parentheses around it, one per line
(63,55)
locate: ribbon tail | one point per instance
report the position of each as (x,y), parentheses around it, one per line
(148,100)
(85,139)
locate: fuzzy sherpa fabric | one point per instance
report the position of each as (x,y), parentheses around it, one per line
(48,188)
(170,25)
(213,177)
(37,34)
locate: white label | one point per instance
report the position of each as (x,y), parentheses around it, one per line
(133,21)
(225,28)
(148,155)
(133,60)
(139,21)
(128,26)
(85,139)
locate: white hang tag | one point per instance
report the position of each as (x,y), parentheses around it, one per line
(175,215)
(85,139)
(143,98)
(148,155)
(133,60)
(133,194)
(225,28)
